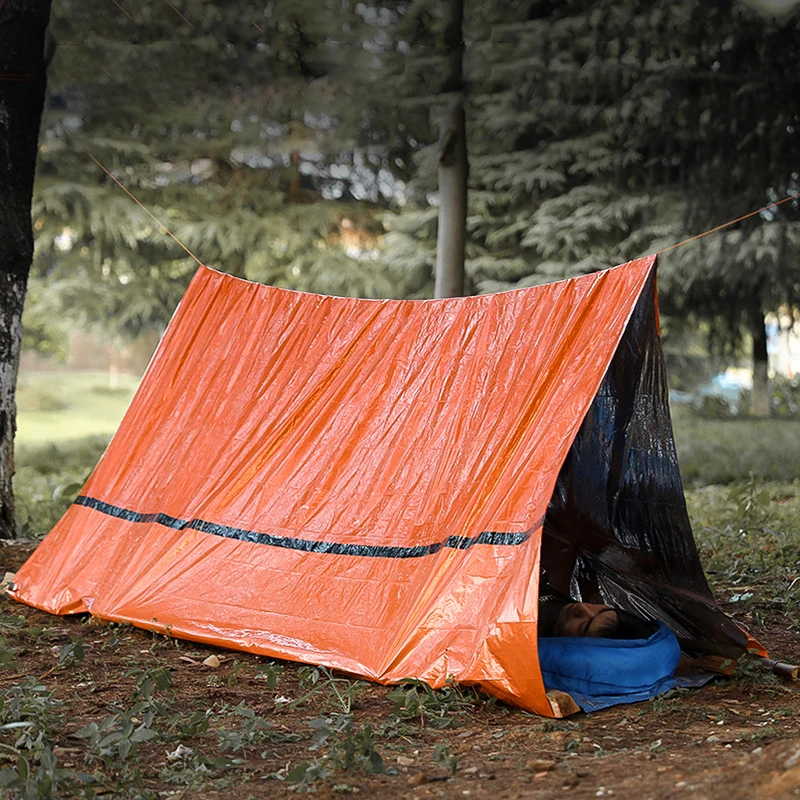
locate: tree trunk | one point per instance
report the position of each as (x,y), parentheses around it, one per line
(758,332)
(453,165)
(22,86)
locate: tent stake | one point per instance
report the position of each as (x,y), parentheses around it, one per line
(788,671)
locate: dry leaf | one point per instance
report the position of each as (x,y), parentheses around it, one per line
(540,764)
(7,582)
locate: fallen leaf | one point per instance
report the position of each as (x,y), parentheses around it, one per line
(181,751)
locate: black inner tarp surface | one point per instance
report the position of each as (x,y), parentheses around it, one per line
(619,509)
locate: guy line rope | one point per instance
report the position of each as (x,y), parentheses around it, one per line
(658,252)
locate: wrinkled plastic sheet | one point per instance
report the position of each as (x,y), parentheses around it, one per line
(362,484)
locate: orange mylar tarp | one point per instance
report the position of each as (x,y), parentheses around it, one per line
(353,483)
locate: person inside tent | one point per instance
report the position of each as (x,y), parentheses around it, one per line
(598,655)
(562,615)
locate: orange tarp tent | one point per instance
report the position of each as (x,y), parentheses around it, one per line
(354,483)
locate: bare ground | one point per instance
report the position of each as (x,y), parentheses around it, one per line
(735,738)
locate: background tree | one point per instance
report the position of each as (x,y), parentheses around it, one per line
(22,88)
(298,147)
(453,162)
(603,131)
(232,126)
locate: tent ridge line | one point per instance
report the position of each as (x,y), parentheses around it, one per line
(497,538)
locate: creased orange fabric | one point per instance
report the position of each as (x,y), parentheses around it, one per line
(426,435)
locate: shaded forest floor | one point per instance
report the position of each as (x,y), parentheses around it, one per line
(110,710)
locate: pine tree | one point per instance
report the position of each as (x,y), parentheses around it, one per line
(603,131)
(232,126)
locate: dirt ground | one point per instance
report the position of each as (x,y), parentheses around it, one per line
(735,738)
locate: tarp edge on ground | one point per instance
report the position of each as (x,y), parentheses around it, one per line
(353,483)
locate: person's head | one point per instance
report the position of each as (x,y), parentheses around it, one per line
(599,621)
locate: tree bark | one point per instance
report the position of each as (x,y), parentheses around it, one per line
(758,332)
(22,87)
(453,165)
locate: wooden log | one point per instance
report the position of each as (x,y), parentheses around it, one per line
(790,672)
(562,704)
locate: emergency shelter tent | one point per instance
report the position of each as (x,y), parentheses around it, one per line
(364,484)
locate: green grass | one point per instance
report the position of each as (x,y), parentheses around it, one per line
(58,406)
(716,451)
(64,421)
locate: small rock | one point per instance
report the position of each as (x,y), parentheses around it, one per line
(713,738)
(792,761)
(540,764)
(469,771)
(211,661)
(405,761)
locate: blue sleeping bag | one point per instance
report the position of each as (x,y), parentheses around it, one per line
(599,673)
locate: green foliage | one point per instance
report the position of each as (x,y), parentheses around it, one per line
(48,479)
(194,770)
(115,737)
(751,673)
(271,673)
(414,700)
(71,653)
(348,747)
(187,726)
(718,407)
(747,538)
(443,756)
(62,459)
(328,688)
(149,679)
(31,714)
(234,155)
(306,773)
(30,720)
(40,398)
(43,779)
(253,730)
